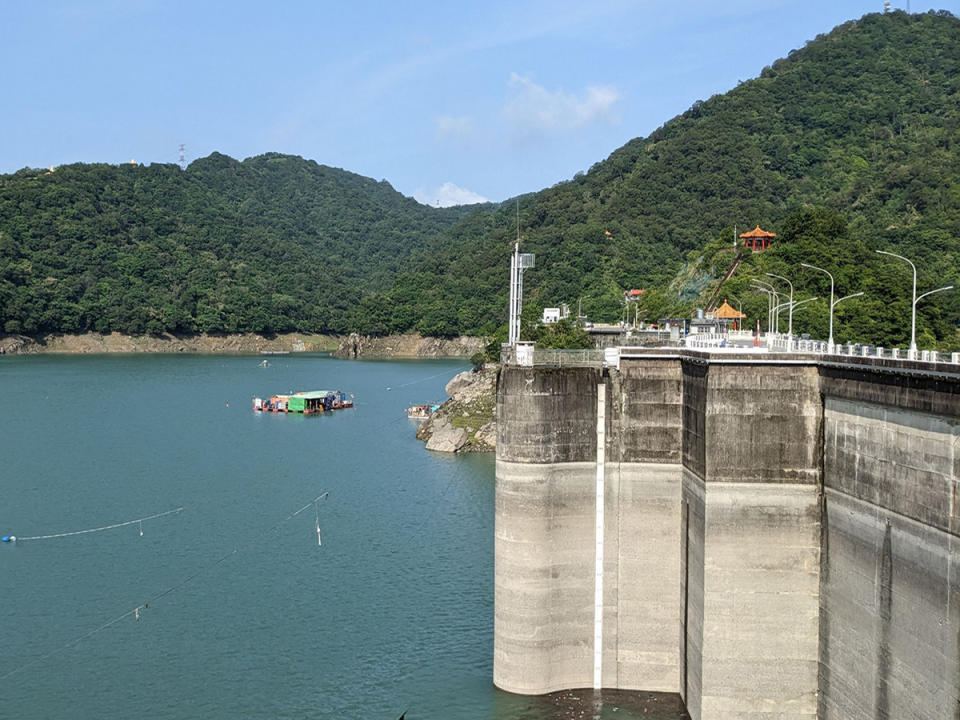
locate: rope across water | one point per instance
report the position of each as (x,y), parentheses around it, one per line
(20,538)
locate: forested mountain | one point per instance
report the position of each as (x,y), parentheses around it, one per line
(271,244)
(845,146)
(862,122)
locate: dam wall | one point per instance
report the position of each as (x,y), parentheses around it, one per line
(890,576)
(769,538)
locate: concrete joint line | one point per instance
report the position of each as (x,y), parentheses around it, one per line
(598,560)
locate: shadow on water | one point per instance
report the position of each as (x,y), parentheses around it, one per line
(588,704)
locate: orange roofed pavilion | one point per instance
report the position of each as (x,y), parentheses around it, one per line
(757,237)
(726,313)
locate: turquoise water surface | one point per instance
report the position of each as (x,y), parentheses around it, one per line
(242,613)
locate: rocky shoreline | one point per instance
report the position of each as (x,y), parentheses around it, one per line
(352,346)
(467,421)
(407,346)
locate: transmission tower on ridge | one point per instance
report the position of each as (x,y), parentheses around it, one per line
(183,157)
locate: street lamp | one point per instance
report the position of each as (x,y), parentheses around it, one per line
(772,300)
(830,339)
(798,303)
(913,307)
(792,305)
(837,302)
(790,320)
(769,304)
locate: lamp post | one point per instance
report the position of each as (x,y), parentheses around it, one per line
(773,299)
(913,307)
(837,302)
(830,339)
(790,316)
(912,354)
(769,303)
(791,305)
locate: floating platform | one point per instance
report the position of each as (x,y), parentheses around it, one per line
(305,402)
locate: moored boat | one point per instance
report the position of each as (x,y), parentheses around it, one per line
(421,412)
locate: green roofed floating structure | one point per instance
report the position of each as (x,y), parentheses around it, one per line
(305,402)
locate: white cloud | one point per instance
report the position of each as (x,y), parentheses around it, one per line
(532,108)
(448,195)
(451,127)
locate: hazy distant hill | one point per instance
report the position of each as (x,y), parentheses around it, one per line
(862,123)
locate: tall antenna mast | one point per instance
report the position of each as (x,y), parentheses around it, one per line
(518,263)
(183,156)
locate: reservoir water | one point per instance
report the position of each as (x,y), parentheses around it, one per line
(242,614)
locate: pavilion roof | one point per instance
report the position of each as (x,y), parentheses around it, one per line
(725,312)
(757,232)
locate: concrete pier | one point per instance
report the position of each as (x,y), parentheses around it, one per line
(770,539)
(751,475)
(544,526)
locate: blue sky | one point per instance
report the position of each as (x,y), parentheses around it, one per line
(449,102)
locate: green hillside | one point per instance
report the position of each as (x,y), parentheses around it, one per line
(862,122)
(271,244)
(846,146)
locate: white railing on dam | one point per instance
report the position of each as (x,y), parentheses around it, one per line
(554,358)
(526,355)
(767,342)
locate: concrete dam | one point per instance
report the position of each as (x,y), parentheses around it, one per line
(770,536)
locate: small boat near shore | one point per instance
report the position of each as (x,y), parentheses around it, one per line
(305,402)
(421,412)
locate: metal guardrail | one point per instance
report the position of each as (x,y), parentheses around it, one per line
(529,357)
(568,358)
(553,358)
(783,343)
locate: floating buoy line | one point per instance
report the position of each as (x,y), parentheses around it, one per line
(138,611)
(138,521)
